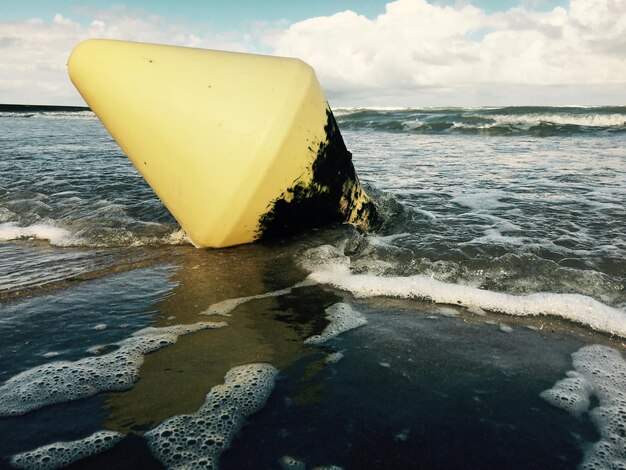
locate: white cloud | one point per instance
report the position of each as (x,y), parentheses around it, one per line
(415,53)
(34,52)
(420,53)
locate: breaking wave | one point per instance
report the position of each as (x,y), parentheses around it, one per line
(540,121)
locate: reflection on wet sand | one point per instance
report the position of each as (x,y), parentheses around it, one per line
(175,380)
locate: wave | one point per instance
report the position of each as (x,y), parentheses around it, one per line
(588,120)
(541,121)
(161,234)
(330,266)
(51,115)
(489,120)
(55,235)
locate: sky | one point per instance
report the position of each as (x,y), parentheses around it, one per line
(365,52)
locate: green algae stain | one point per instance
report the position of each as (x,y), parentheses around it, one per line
(333,195)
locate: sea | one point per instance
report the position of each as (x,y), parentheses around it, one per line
(482,326)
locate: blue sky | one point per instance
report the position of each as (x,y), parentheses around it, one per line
(229,14)
(365,52)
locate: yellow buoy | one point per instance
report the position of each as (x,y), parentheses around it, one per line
(237,146)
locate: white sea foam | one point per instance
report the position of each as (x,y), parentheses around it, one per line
(55,235)
(495,237)
(62,381)
(6,215)
(66,115)
(288,462)
(342,318)
(599,372)
(527,121)
(333,358)
(416,124)
(481,201)
(198,440)
(590,119)
(224,307)
(178,237)
(402,436)
(50,354)
(476,311)
(378,240)
(62,454)
(329,266)
(448,312)
(91,235)
(53,115)
(342,111)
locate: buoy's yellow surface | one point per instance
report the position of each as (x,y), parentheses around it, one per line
(237,146)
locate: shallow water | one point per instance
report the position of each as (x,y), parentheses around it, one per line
(89,256)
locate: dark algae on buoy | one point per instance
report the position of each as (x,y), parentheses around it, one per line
(333,194)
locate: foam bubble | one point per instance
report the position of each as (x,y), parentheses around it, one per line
(329,266)
(179,237)
(62,454)
(324,257)
(6,214)
(505,328)
(50,354)
(99,349)
(333,358)
(342,317)
(287,462)
(600,371)
(198,440)
(402,436)
(62,381)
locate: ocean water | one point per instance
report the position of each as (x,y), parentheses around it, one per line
(430,343)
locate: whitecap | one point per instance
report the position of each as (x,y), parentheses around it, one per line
(588,119)
(55,235)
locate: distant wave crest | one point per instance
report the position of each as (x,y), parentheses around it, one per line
(541,121)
